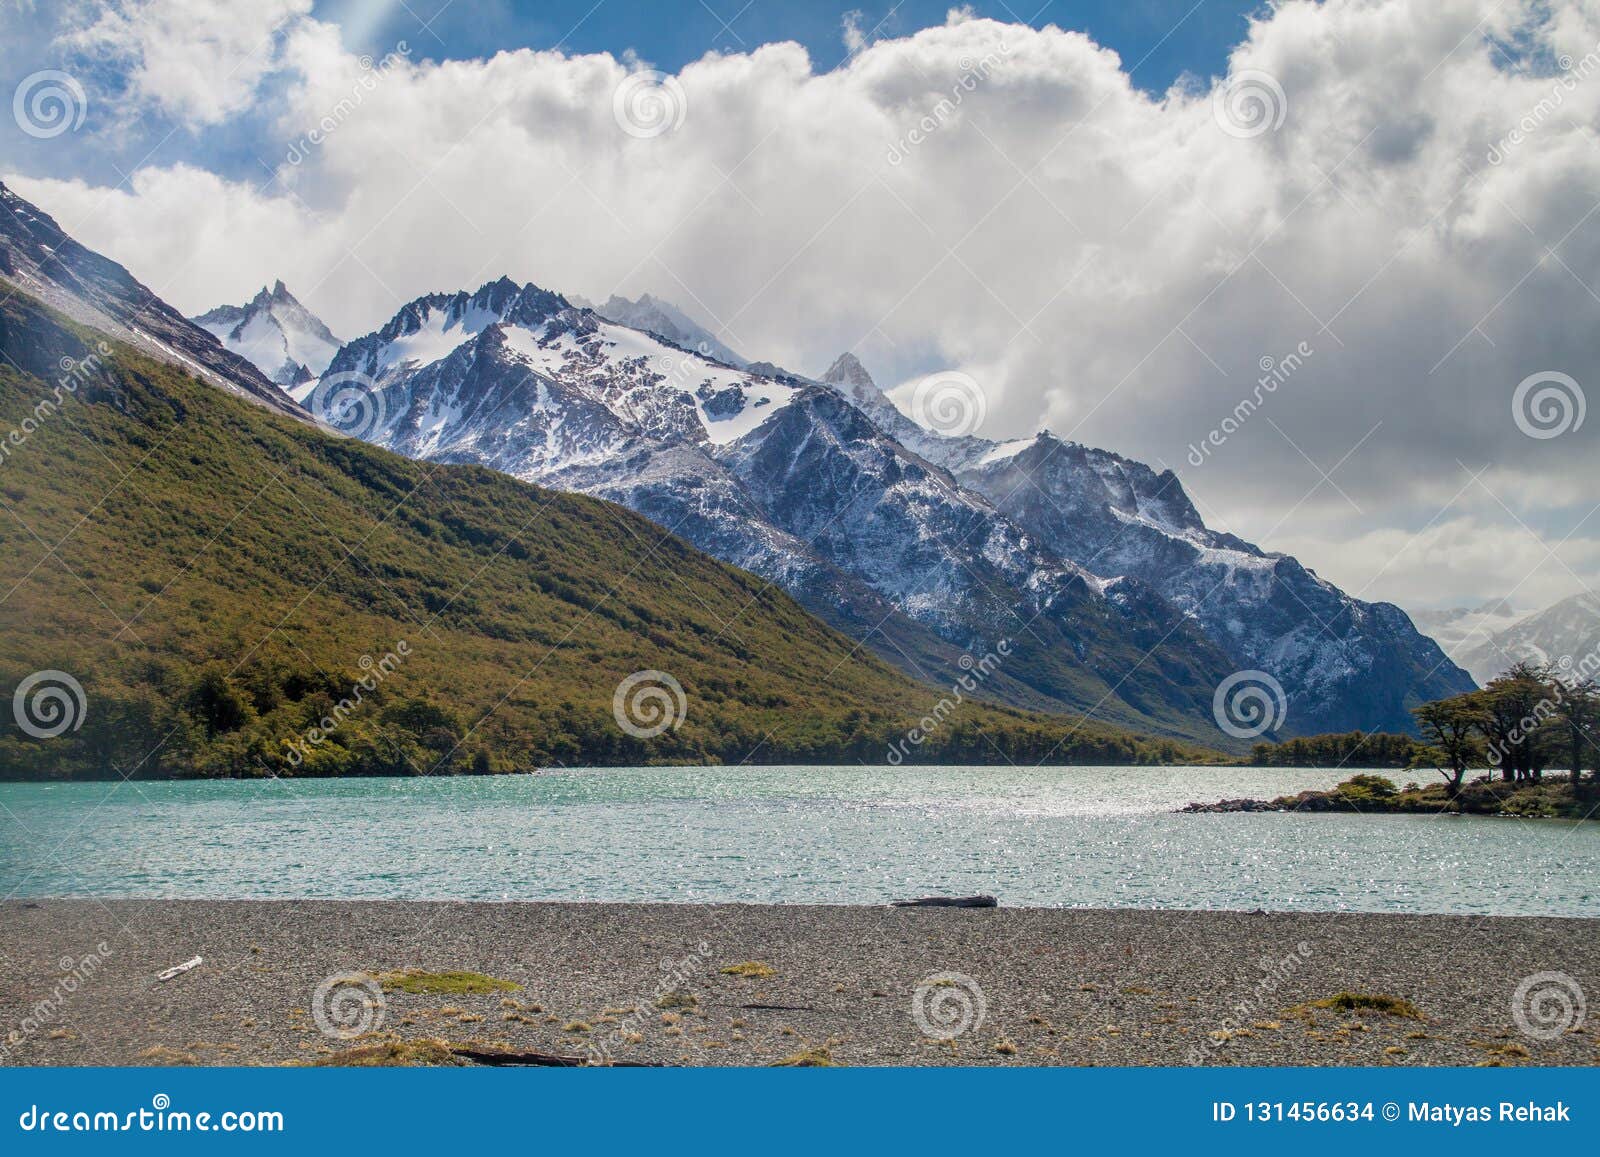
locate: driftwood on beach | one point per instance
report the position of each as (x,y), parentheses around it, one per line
(501,1058)
(948,902)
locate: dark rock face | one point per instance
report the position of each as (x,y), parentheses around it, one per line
(786,478)
(38,257)
(1343,663)
(1098,573)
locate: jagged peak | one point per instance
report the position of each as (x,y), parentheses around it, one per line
(847,370)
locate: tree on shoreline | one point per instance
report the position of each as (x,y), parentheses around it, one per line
(1577,726)
(1451,729)
(1516,706)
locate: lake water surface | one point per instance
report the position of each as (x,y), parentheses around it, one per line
(1098,837)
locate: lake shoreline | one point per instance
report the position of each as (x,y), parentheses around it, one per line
(649,983)
(1553,797)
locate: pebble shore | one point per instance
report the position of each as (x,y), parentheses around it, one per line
(849,985)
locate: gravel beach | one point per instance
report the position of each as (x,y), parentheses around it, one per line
(866,986)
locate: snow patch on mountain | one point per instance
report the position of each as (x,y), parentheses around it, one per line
(275,333)
(1120,600)
(662,318)
(1487,640)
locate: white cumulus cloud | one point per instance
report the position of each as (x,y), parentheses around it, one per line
(196,61)
(1418,210)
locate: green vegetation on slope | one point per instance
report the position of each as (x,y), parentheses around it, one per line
(241,595)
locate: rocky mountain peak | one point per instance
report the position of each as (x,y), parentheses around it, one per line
(275,333)
(918,544)
(847,370)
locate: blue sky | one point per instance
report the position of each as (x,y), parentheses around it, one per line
(1159,42)
(1170,37)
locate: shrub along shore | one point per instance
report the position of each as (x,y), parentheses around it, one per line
(1532,736)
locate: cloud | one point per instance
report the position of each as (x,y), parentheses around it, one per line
(1452,562)
(1393,186)
(196,61)
(855,39)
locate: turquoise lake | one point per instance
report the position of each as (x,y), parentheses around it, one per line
(1095,837)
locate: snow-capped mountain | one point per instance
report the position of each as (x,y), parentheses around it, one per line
(662,318)
(1565,635)
(1112,595)
(275,333)
(1343,663)
(779,475)
(38,257)
(1461,630)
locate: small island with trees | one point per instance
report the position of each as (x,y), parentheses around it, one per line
(1530,736)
